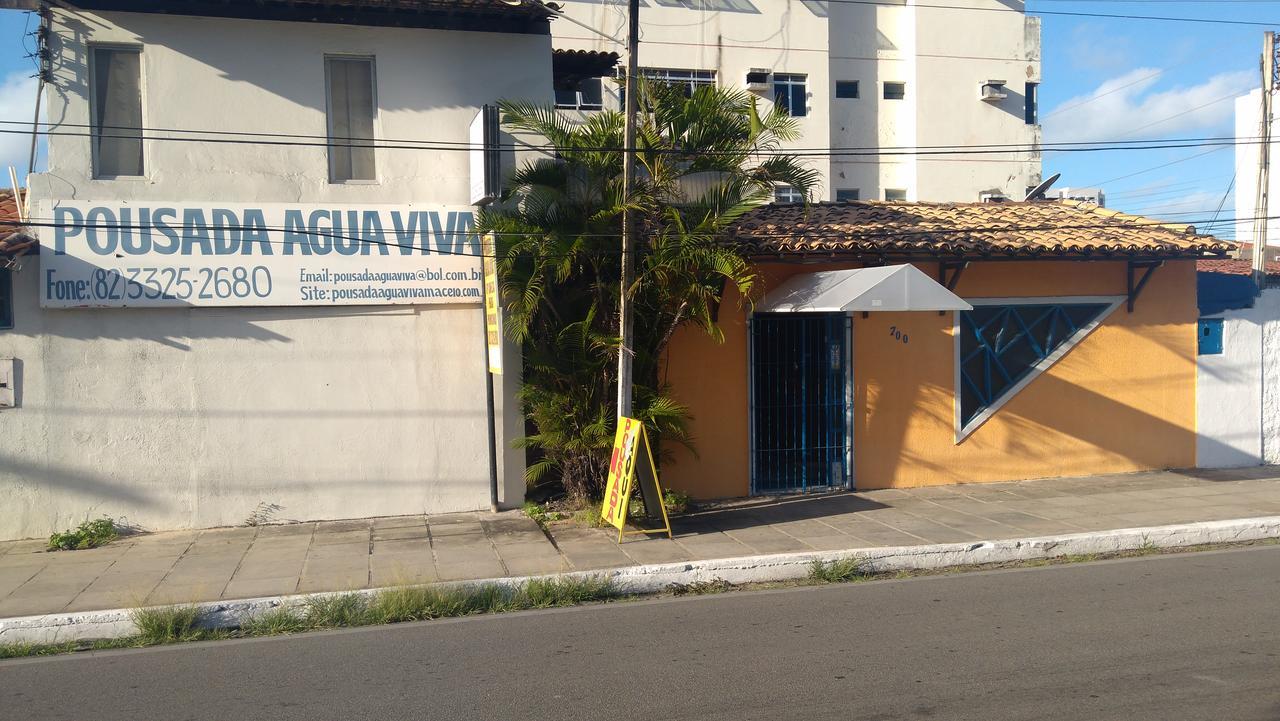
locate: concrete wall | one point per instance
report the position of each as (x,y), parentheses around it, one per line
(1238,404)
(1122,400)
(176,418)
(1248,119)
(941,54)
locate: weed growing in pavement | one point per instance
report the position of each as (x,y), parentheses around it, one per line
(89,534)
(277,621)
(840,571)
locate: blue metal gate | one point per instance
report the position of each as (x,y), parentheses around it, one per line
(799,402)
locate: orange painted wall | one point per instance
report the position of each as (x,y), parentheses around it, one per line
(1121,400)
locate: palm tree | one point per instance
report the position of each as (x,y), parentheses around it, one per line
(704,159)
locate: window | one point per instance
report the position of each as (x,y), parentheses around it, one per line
(352,109)
(1031,102)
(6,298)
(585,94)
(847,89)
(1210,337)
(1002,347)
(895,91)
(844,195)
(789,94)
(690,79)
(787,194)
(896,194)
(117,111)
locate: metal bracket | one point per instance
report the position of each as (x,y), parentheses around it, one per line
(956,268)
(1133,291)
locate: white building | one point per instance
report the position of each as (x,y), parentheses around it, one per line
(1238,366)
(874,81)
(1249,129)
(297,333)
(1084,195)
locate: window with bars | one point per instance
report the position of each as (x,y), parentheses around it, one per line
(790,93)
(1001,346)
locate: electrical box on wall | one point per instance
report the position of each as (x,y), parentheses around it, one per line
(7,395)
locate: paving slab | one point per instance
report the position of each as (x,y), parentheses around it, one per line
(246,562)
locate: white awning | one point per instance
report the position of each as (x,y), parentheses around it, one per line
(883,288)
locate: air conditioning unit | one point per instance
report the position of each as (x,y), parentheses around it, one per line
(758,78)
(992,196)
(993,90)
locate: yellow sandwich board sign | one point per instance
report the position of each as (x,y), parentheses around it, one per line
(492,311)
(626,467)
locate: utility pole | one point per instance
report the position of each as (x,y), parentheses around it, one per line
(1260,221)
(626,313)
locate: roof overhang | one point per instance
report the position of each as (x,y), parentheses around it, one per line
(471,15)
(884,288)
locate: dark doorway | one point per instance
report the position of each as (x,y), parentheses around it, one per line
(799,402)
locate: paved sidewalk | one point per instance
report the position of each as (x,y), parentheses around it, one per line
(234,563)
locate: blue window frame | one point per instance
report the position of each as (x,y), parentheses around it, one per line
(1001,345)
(1209,338)
(6,298)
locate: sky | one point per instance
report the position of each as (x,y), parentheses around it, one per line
(1104,79)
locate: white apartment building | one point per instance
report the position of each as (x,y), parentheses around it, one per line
(236,311)
(1248,130)
(874,81)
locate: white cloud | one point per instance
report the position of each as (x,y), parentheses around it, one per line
(17,101)
(1092,49)
(1123,108)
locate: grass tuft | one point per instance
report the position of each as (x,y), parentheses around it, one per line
(277,621)
(168,624)
(345,609)
(840,571)
(89,534)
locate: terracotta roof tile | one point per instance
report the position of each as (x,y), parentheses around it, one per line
(13,241)
(1063,228)
(1235,266)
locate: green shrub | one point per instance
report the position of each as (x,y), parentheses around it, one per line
(676,501)
(89,534)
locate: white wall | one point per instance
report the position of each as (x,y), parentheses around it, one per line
(1248,125)
(192,417)
(1237,406)
(942,55)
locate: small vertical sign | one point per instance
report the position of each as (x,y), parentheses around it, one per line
(492,309)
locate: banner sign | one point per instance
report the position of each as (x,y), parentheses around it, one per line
(625,468)
(492,306)
(164,254)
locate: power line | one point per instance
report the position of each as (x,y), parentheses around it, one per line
(994,149)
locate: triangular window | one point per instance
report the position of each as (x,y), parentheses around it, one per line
(1002,347)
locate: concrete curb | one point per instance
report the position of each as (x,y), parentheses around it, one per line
(653,578)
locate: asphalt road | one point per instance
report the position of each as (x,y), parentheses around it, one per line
(1184,637)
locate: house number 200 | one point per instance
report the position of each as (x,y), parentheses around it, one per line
(897,333)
